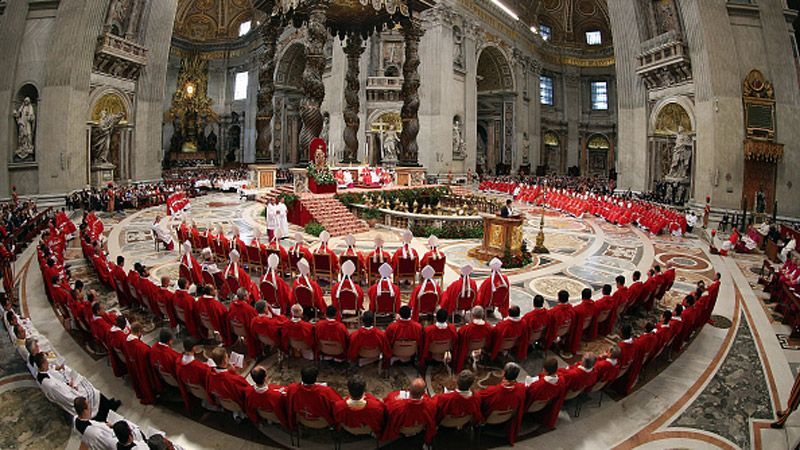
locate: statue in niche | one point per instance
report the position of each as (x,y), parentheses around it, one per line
(211,141)
(101,135)
(526,149)
(25,117)
(117,16)
(326,127)
(459,147)
(392,54)
(390,141)
(681,156)
(458,48)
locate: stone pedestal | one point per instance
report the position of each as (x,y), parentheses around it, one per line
(264,175)
(102,174)
(410,176)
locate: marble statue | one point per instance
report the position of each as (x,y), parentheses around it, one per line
(326,125)
(101,135)
(25,117)
(390,141)
(458,48)
(681,156)
(459,147)
(761,202)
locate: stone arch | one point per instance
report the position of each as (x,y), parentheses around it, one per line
(599,155)
(672,103)
(112,100)
(553,155)
(291,63)
(494,70)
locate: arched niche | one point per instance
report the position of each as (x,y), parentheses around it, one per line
(23,137)
(379,122)
(112,101)
(667,117)
(598,156)
(286,123)
(494,70)
(552,159)
(495,107)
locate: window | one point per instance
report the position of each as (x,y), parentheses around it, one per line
(545,32)
(594,37)
(599,95)
(546,90)
(240,86)
(244,28)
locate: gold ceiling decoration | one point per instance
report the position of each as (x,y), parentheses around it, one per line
(672,116)
(190,101)
(112,104)
(568,19)
(214,20)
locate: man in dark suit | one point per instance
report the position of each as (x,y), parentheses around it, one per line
(507,211)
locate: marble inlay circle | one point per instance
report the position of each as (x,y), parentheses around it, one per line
(549,286)
(685,262)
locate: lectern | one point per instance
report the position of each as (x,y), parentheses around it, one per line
(500,236)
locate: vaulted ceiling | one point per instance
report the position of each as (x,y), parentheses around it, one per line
(569,20)
(213,20)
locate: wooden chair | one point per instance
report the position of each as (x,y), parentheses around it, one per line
(437,349)
(312,423)
(538,406)
(427,302)
(509,343)
(386,303)
(168,378)
(405,350)
(156,241)
(438,266)
(497,417)
(407,270)
(499,293)
(198,391)
(323,267)
(296,346)
(199,241)
(255,264)
(269,293)
(348,301)
(229,405)
(478,344)
(330,348)
(464,304)
(363,430)
(304,296)
(457,423)
(372,271)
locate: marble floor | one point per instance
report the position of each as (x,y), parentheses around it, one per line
(720,392)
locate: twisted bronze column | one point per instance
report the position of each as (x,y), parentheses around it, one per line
(266,90)
(313,87)
(412,31)
(353,50)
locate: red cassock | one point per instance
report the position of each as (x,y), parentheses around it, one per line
(280,295)
(410,254)
(661,285)
(332,330)
(585,310)
(362,260)
(648,345)
(632,357)
(509,328)
(217,315)
(621,297)
(190,269)
(282,253)
(312,401)
(100,329)
(300,251)
(502,397)
(264,325)
(647,297)
(378,255)
(451,294)
(538,319)
(166,300)
(191,371)
(163,359)
(137,359)
(469,333)
(121,283)
(669,279)
(355,414)
(116,339)
(689,319)
(335,297)
(499,298)
(408,413)
(133,287)
(558,315)
(184,300)
(635,291)
(317,301)
(270,398)
(224,383)
(369,338)
(404,330)
(607,370)
(242,279)
(241,311)
(418,291)
(578,378)
(435,333)
(298,330)
(61,296)
(547,389)
(151,292)
(606,303)
(372,293)
(458,404)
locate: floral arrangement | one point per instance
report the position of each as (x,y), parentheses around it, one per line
(314,228)
(288,199)
(322,176)
(515,262)
(450,231)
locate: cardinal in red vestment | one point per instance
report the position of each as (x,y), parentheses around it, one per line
(560,315)
(630,356)
(585,321)
(635,290)
(163,358)
(433,257)
(351,251)
(460,403)
(360,408)
(268,324)
(310,399)
(242,312)
(299,250)
(369,338)
(439,332)
(537,320)
(456,296)
(137,359)
(428,289)
(189,267)
(188,371)
(384,287)
(405,252)
(346,283)
(323,248)
(405,329)
(494,291)
(117,336)
(208,305)
(183,300)
(547,387)
(274,290)
(409,409)
(236,276)
(298,330)
(224,383)
(306,291)
(267,398)
(508,395)
(605,306)
(471,335)
(580,376)
(509,329)
(331,329)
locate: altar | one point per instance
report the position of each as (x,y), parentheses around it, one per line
(501,236)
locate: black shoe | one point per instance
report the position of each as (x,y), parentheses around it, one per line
(115,404)
(776,425)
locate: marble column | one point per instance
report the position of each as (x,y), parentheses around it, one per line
(353,50)
(412,31)
(313,87)
(266,90)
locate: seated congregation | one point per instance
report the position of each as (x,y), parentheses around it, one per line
(290,312)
